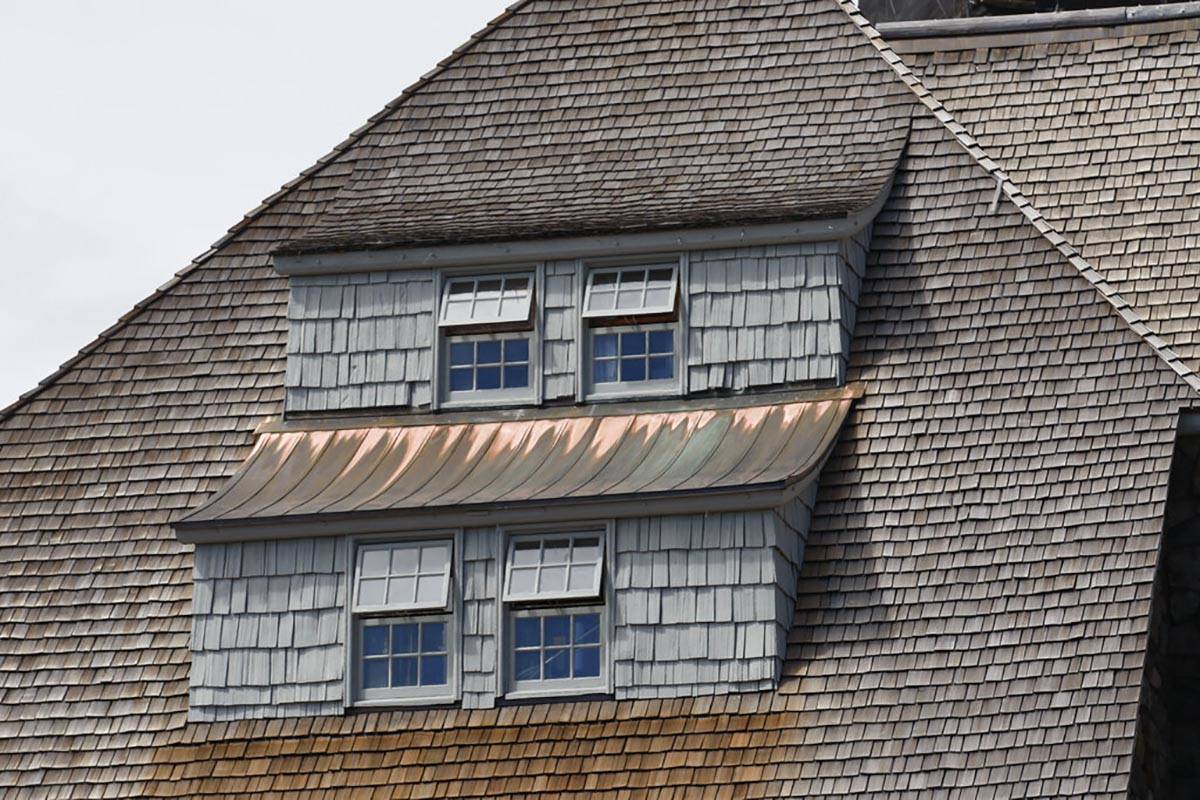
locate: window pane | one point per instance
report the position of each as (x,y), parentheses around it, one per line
(429,589)
(604,345)
(433,637)
(402,590)
(375,640)
(556,664)
(558,551)
(488,378)
(462,354)
(522,580)
(433,670)
(461,380)
(633,343)
(527,632)
(516,377)
(662,368)
(633,278)
(587,662)
(404,638)
(660,278)
(404,671)
(458,289)
(554,579)
(629,299)
(516,350)
(605,281)
(375,673)
(434,558)
(528,665)
(404,561)
(586,551)
(374,563)
(587,629)
(604,372)
(633,369)
(582,576)
(557,631)
(488,352)
(371,592)
(662,341)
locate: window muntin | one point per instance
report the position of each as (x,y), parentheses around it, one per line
(405,654)
(557,648)
(486,299)
(488,364)
(554,567)
(407,576)
(628,291)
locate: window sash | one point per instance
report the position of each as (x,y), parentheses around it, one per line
(403,576)
(486,299)
(532,686)
(537,562)
(414,658)
(631,290)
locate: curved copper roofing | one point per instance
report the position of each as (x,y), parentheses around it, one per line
(587,455)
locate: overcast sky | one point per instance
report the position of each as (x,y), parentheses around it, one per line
(135,132)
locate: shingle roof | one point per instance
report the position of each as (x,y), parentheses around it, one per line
(974,599)
(614,115)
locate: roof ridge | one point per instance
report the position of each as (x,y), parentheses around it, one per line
(1005,186)
(267,204)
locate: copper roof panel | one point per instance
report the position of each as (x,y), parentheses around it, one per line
(581,454)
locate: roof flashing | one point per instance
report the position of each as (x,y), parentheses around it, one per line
(1101,18)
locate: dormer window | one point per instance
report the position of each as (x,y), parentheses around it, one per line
(488,335)
(632,343)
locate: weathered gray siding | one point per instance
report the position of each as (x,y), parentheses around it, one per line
(267,629)
(765,316)
(560,329)
(360,341)
(481,590)
(702,603)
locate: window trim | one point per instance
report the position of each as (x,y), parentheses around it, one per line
(556,687)
(487,397)
(619,269)
(352,643)
(500,319)
(623,389)
(567,595)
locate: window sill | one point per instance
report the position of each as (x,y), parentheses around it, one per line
(544,694)
(480,403)
(401,702)
(649,393)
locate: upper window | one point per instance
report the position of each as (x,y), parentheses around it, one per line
(486,300)
(554,567)
(403,631)
(629,291)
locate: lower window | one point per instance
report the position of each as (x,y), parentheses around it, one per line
(641,359)
(557,647)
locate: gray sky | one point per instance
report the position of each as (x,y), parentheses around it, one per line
(135,132)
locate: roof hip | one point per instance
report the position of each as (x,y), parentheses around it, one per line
(1006,187)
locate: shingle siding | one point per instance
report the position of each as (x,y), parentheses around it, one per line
(360,341)
(481,590)
(268,627)
(560,351)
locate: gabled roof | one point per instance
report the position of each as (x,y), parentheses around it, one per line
(620,115)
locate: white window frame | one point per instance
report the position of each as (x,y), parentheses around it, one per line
(556,687)
(619,271)
(489,397)
(390,547)
(523,304)
(451,612)
(593,592)
(619,389)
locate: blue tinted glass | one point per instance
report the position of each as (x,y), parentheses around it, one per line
(516,350)
(516,377)
(633,369)
(488,352)
(375,673)
(662,341)
(461,380)
(558,631)
(433,637)
(528,665)
(488,378)
(404,671)
(587,629)
(604,345)
(633,344)
(433,670)
(404,638)
(556,664)
(604,372)
(375,640)
(461,353)
(662,368)
(528,632)
(587,662)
